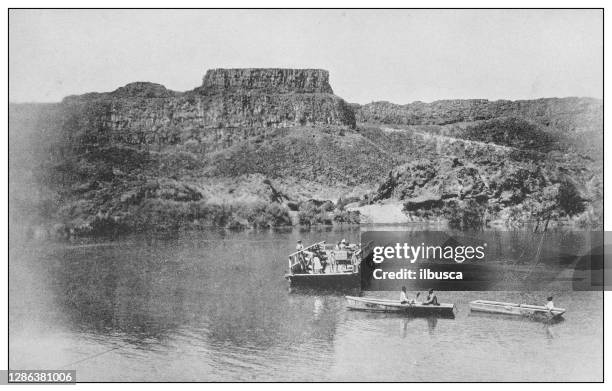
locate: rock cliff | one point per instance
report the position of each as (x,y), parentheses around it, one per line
(251,147)
(210,115)
(584,113)
(271,80)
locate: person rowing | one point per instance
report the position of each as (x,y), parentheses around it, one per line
(549,305)
(432,299)
(404,297)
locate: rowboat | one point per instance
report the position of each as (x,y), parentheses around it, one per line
(497,307)
(394,306)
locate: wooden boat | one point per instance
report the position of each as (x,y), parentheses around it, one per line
(321,266)
(336,281)
(497,307)
(417,309)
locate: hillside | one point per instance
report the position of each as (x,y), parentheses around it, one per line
(269,147)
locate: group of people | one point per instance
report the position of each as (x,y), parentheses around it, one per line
(341,245)
(308,255)
(431,299)
(308,258)
(305,258)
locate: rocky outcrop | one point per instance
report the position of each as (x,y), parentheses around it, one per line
(213,115)
(577,113)
(426,182)
(504,189)
(564,124)
(271,80)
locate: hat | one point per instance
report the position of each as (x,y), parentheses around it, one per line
(343,241)
(431,290)
(299,241)
(549,298)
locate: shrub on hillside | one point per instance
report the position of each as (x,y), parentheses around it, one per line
(347,217)
(569,199)
(311,214)
(107,225)
(161,214)
(511,132)
(342,202)
(327,206)
(465,215)
(263,215)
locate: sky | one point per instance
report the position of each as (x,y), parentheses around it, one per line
(394,55)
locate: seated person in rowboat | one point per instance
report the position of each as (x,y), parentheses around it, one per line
(404,297)
(432,299)
(549,305)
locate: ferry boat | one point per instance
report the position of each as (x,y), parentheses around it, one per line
(324,265)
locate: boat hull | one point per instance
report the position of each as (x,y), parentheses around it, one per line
(391,306)
(525,310)
(325,280)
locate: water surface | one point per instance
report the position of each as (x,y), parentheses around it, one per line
(214,306)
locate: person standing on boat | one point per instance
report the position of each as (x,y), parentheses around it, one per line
(432,299)
(299,248)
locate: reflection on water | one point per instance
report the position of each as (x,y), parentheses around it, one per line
(214,306)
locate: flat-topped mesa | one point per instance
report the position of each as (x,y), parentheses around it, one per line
(274,80)
(230,99)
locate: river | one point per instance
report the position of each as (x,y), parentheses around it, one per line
(214,306)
